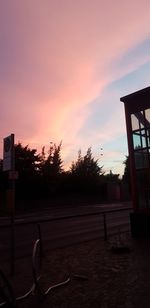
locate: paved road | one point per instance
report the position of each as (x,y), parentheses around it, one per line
(60,227)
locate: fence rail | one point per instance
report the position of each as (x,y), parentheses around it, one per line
(14,223)
(42,220)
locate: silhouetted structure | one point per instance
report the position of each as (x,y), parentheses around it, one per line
(137,112)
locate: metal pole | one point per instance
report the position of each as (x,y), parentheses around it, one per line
(105,227)
(12,245)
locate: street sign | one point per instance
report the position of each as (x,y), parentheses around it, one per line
(8,153)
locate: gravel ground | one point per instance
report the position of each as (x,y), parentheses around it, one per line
(117,275)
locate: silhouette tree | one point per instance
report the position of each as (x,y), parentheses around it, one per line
(27,163)
(51,167)
(126,179)
(86,166)
(112,177)
(126,175)
(86,172)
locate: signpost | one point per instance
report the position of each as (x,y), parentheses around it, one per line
(8,154)
(9,166)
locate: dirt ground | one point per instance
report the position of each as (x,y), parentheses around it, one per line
(116,275)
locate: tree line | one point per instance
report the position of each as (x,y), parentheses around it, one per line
(43,175)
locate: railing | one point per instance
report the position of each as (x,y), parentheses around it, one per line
(13,223)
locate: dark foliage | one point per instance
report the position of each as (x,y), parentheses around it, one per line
(126,176)
(85,173)
(27,163)
(51,169)
(112,178)
(26,160)
(42,175)
(86,166)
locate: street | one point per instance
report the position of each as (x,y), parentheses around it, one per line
(61,227)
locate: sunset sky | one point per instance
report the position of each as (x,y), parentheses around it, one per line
(64,64)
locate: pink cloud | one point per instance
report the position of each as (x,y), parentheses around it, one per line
(57,58)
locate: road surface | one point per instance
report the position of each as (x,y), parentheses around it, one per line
(61,227)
